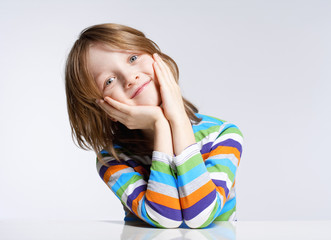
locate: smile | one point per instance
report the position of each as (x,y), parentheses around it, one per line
(140,89)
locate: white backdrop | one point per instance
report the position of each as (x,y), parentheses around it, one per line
(263,65)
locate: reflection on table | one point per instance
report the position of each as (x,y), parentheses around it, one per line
(141,231)
(115,229)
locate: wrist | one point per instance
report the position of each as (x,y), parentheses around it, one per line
(161,123)
(162,136)
(156,119)
(180,121)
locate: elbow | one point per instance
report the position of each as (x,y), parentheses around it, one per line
(172,224)
(198,224)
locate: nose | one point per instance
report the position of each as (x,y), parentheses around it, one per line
(131,80)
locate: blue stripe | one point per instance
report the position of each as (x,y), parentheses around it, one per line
(144,214)
(104,152)
(203,126)
(162,178)
(191,174)
(228,205)
(123,179)
(209,119)
(224,162)
(229,125)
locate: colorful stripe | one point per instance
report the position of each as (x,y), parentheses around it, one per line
(198,190)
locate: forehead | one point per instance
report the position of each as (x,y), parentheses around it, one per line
(108,48)
(99,56)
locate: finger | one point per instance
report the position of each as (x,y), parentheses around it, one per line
(160,65)
(112,112)
(118,105)
(164,67)
(159,74)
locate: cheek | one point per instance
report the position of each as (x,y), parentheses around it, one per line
(147,65)
(112,94)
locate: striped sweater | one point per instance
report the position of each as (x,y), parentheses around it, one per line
(196,187)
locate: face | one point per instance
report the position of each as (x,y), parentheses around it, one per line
(123,75)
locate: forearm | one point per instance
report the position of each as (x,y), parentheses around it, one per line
(162,137)
(182,134)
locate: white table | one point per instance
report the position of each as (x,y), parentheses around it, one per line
(112,230)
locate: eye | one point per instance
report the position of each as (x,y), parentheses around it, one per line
(109,81)
(133,58)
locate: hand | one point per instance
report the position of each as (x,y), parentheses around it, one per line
(172,101)
(173,107)
(133,117)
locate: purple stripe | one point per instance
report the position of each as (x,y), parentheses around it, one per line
(206,147)
(229,143)
(220,183)
(104,168)
(167,212)
(132,163)
(134,195)
(198,207)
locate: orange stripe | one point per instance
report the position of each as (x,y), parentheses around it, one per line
(197,195)
(226,150)
(162,199)
(221,191)
(111,170)
(140,170)
(205,156)
(135,202)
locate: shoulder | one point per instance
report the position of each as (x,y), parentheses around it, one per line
(210,119)
(212,132)
(212,127)
(125,158)
(212,124)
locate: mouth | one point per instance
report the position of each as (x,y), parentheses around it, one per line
(140,89)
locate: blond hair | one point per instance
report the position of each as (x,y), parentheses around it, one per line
(90,125)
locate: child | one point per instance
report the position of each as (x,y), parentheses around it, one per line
(165,162)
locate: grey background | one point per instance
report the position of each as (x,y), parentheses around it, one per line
(263,65)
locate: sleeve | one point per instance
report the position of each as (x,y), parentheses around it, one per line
(155,201)
(205,180)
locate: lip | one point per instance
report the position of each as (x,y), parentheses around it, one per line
(140,89)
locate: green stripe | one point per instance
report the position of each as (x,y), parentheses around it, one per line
(225,216)
(199,135)
(161,167)
(105,155)
(211,216)
(189,164)
(216,118)
(232,130)
(121,190)
(221,168)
